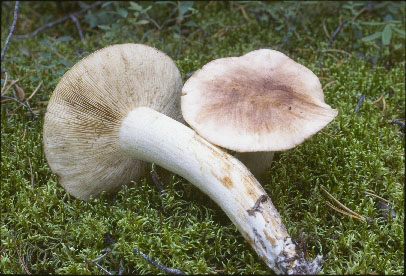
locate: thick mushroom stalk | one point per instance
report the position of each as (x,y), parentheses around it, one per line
(257,162)
(153,137)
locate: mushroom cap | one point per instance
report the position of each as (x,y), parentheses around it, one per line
(85,111)
(261,101)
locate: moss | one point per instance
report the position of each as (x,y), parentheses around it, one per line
(52,232)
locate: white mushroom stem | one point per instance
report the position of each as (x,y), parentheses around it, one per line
(257,162)
(153,137)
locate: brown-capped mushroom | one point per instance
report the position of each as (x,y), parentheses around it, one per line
(108,112)
(255,104)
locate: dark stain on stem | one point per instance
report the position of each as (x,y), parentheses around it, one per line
(256,207)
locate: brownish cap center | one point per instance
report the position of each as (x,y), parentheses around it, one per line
(258,102)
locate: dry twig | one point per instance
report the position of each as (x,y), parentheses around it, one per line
(25,132)
(326,78)
(346,210)
(74,19)
(377,100)
(328,84)
(60,20)
(336,50)
(242,9)
(377,196)
(161,267)
(384,107)
(21,259)
(335,33)
(26,105)
(32,176)
(341,211)
(331,135)
(359,13)
(11,29)
(325,30)
(107,251)
(35,91)
(360,101)
(5,90)
(381,98)
(5,82)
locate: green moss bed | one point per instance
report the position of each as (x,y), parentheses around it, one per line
(361,65)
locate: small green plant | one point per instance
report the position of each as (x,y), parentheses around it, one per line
(386,30)
(366,18)
(143,21)
(283,17)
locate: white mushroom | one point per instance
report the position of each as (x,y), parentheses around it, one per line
(85,112)
(255,104)
(107,113)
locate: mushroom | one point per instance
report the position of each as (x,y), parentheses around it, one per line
(255,104)
(108,112)
(87,107)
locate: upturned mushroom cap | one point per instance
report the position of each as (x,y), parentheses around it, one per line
(85,111)
(261,101)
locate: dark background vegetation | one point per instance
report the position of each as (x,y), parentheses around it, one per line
(357,49)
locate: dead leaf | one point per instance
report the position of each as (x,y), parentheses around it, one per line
(20,92)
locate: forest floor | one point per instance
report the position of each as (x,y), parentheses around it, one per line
(355,48)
